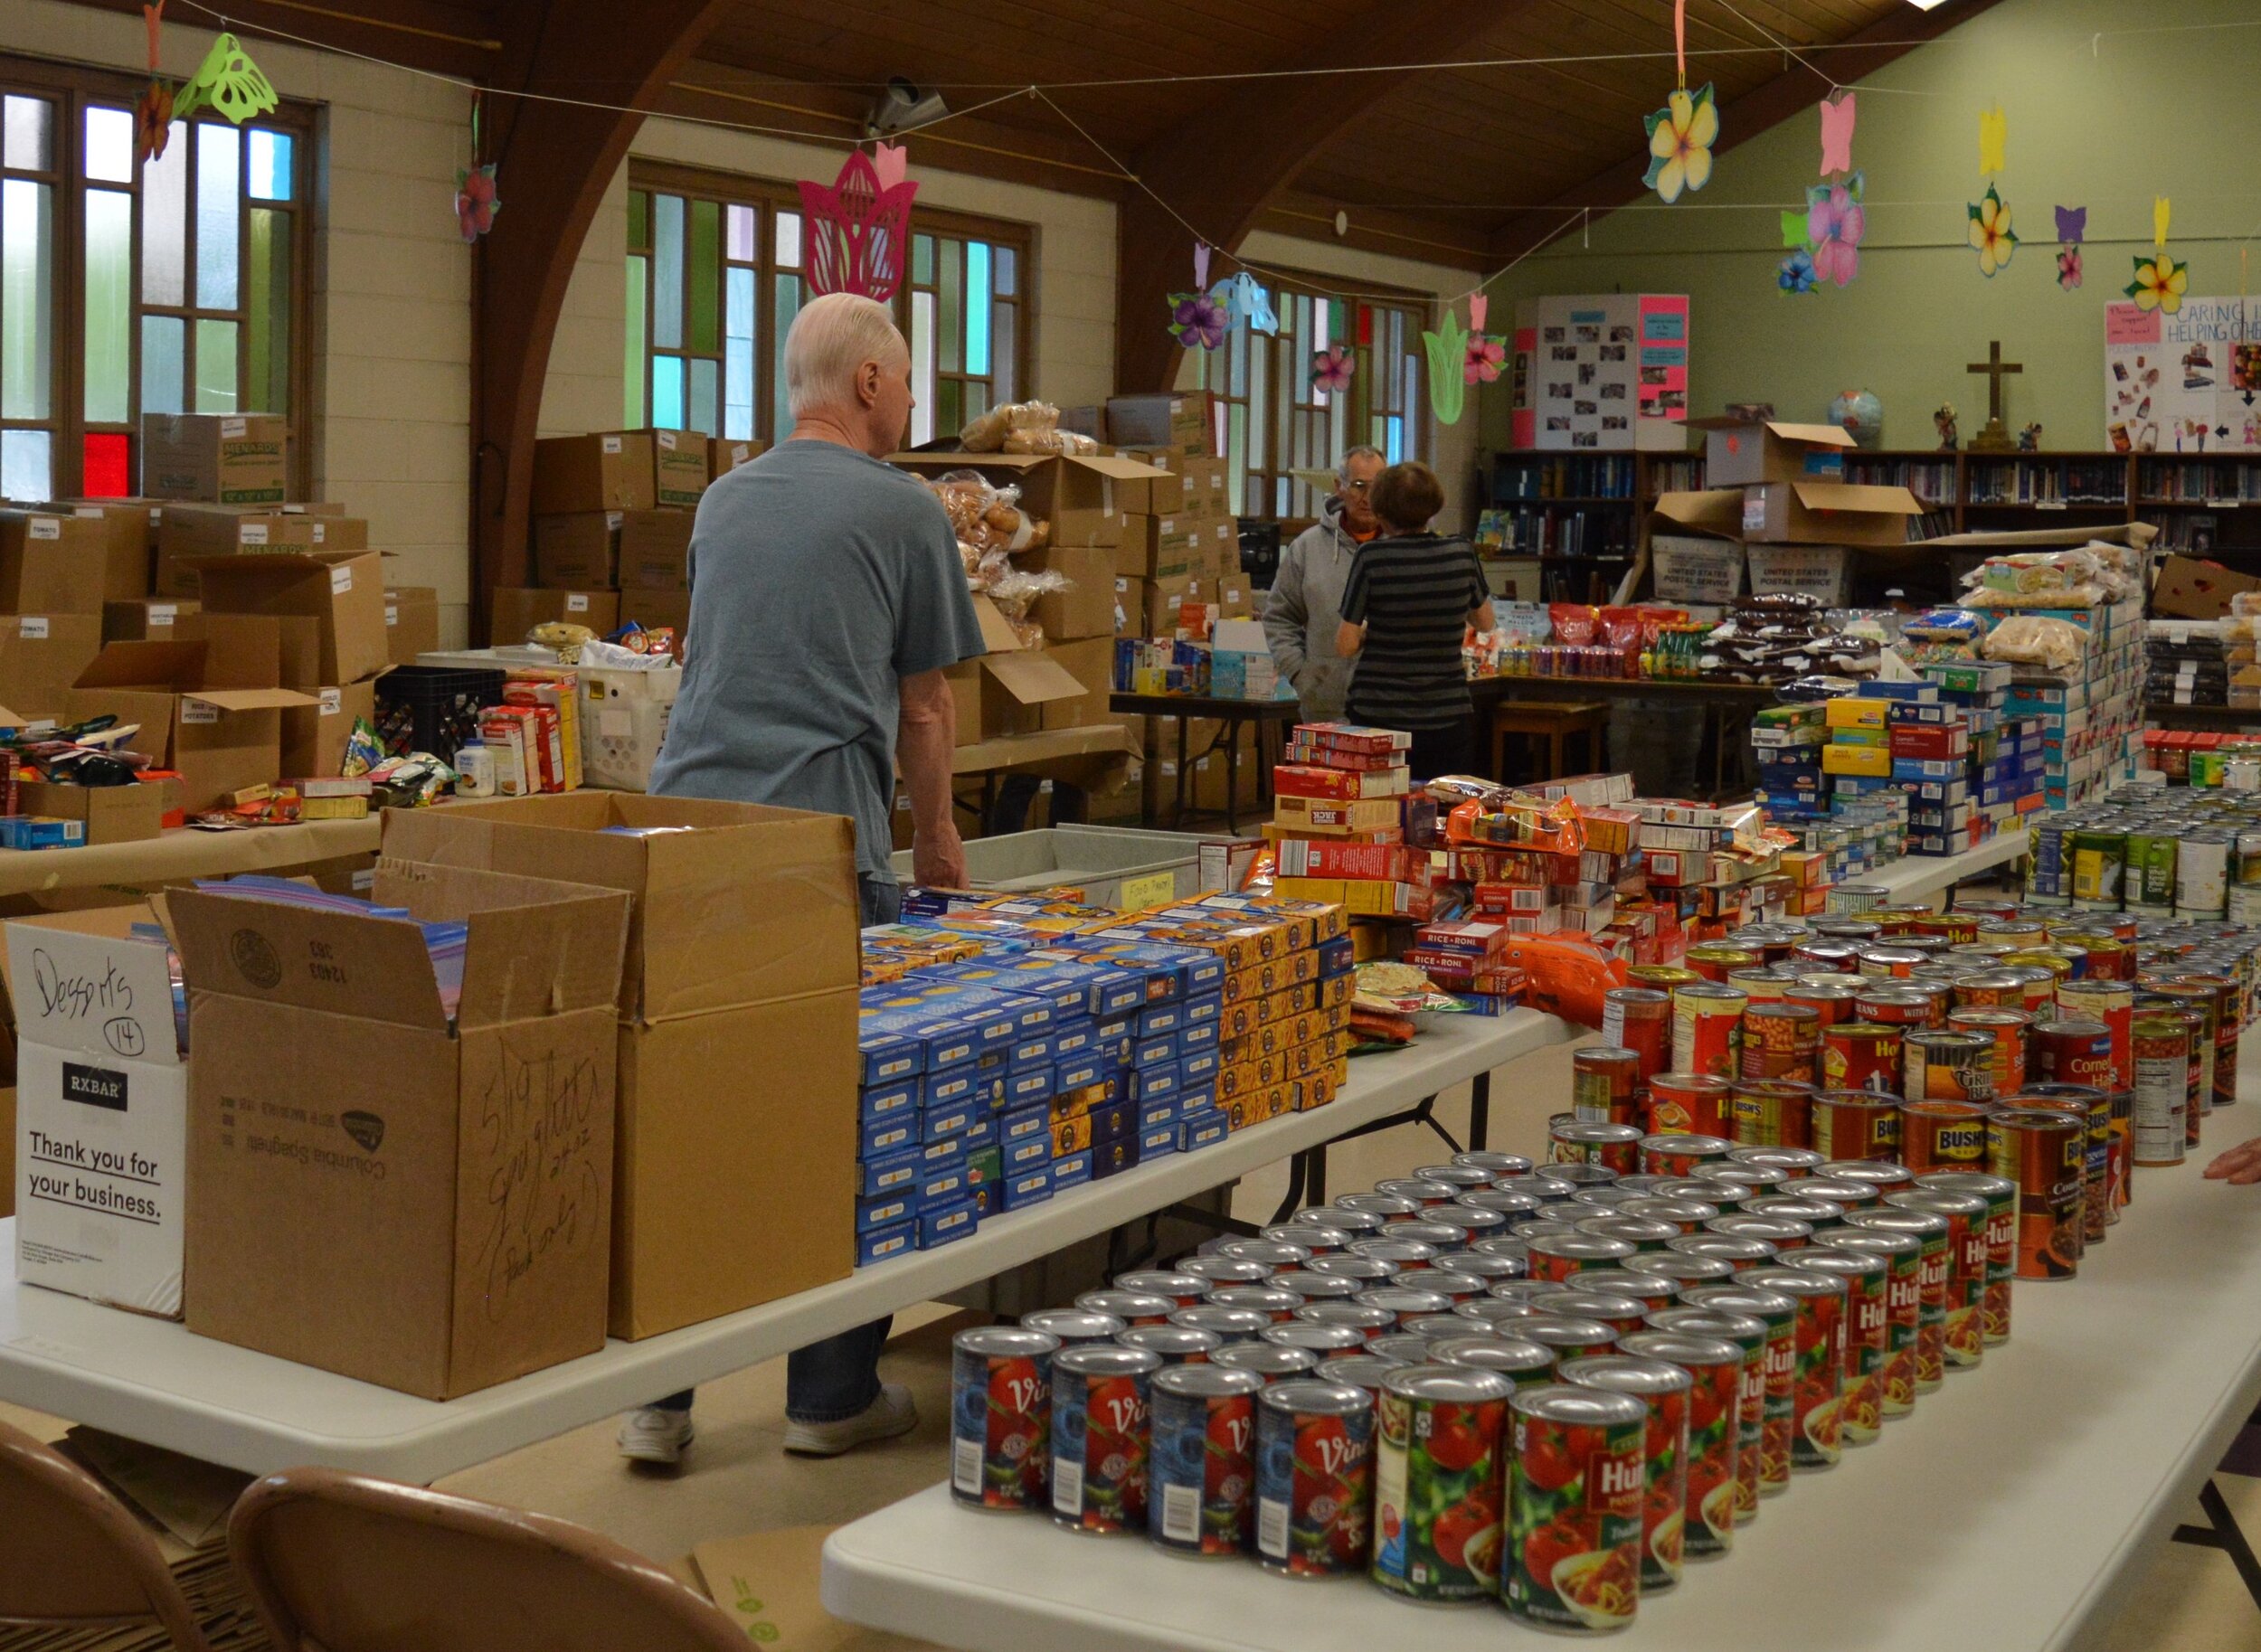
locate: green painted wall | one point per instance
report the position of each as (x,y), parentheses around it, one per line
(2141,114)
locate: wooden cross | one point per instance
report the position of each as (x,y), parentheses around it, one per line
(1993,366)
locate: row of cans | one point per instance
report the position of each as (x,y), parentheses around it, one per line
(2193,854)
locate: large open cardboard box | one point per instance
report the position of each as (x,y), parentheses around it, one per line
(221,740)
(1077,494)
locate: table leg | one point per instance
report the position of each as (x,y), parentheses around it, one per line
(1315,1188)
(1150,777)
(1231,776)
(1185,724)
(1479,1109)
(1292,1201)
(2222,1531)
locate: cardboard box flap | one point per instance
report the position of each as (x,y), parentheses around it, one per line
(1854,496)
(1817,435)
(536,946)
(79,981)
(1032,678)
(1717,510)
(248,699)
(145,665)
(997,632)
(1116,470)
(375,968)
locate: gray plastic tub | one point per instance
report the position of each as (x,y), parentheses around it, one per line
(1095,859)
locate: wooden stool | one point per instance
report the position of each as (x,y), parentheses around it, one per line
(1554,721)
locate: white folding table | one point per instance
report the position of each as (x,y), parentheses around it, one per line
(151,1379)
(1914,877)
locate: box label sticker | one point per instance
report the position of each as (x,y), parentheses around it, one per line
(576,602)
(251,534)
(92,513)
(32,627)
(94,1087)
(610,444)
(341,581)
(332,702)
(233,429)
(666,441)
(392,614)
(612,520)
(320,533)
(44,527)
(163,613)
(199,712)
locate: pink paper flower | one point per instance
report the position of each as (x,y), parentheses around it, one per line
(475,201)
(1331,368)
(1835,222)
(2068,268)
(1486,356)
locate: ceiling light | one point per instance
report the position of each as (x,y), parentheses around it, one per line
(1926,5)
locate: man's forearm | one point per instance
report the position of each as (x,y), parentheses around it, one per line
(923,749)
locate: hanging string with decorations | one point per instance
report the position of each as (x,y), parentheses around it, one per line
(1681,133)
(153,113)
(1486,354)
(476,202)
(228,83)
(2160,280)
(1990,230)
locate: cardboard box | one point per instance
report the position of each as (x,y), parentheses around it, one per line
(1017,683)
(1087,608)
(220,739)
(1828,514)
(187,532)
(314,736)
(517,610)
(42,655)
(462,1184)
(679,473)
(219,458)
(331,607)
(1077,496)
(51,564)
(151,619)
(1165,494)
(100,1179)
(654,609)
(130,529)
(578,552)
(725,456)
(609,471)
(1151,607)
(965,693)
(111,814)
(1181,421)
(412,622)
(1739,452)
(1157,547)
(1824,571)
(1092,662)
(742,959)
(2190,587)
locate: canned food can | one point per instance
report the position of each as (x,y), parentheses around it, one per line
(1966,1215)
(1621,1314)
(1566,1336)
(1707,1028)
(2202,1002)
(1902,1255)
(1178,1344)
(1817,1432)
(1614,1147)
(2148,875)
(1783,1232)
(1688,1104)
(1072,1325)
(1361,1270)
(1273,1253)
(1184,1289)
(1689,1215)
(1438,1229)
(1276,1362)
(2110,958)
(1577,1485)
(2099,863)
(2194,1074)
(1779,1413)
(1555,1257)
(2001,1195)
(1715,960)
(1640,1019)
(1314,1477)
(1898,1007)
(1457,1175)
(2112,1003)
(1315,1287)
(1866,1339)
(2099,1135)
(1216,1270)
(1000,1416)
(1711,1527)
(1792,1162)
(1402,1256)
(1494,1165)
(1663,1389)
(2227,1012)
(2202,876)
(1773,1113)
(1830,997)
(2162,1058)
(1855,1124)
(1273,1303)
(1947,1066)
(1882,1175)
(1779,1041)
(1201,1470)
(1938,1134)
(1439,1493)
(2063,1051)
(1844,899)
(2005,1029)
(1420,1190)
(1362,1318)
(1661,978)
(1489,1311)
(1881,962)
(1861,1055)
(1388,1206)
(1738,1250)
(1100,1438)
(1934,1283)
(1131,1307)
(1230,1325)
(1681,1153)
(2043,1152)
(1605,1085)
(1409,1304)
(1642,1233)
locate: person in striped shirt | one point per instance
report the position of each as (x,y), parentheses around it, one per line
(1406,607)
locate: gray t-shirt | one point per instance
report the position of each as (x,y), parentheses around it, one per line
(820,578)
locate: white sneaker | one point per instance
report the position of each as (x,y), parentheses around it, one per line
(891,1414)
(655,1435)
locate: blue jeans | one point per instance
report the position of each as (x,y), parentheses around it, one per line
(838,1377)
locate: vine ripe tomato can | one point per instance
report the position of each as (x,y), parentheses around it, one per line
(1131,1307)
(1867,1337)
(1175,1344)
(1663,1388)
(1614,1148)
(1934,1234)
(1712,1446)
(1099,1438)
(1746,1333)
(1525,1363)
(1688,1104)
(1201,1471)
(1555,1257)
(1967,1262)
(1681,1153)
(2041,1152)
(1314,1479)
(1817,1432)
(1902,1258)
(1000,1416)
(2000,1194)
(1856,1124)
(1439,1492)
(1184,1289)
(1707,1028)
(1577,1487)
(1779,1412)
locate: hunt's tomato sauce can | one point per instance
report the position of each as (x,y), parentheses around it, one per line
(1713,1441)
(1663,1388)
(1817,1435)
(1679,1153)
(1934,1234)
(1746,1333)
(1902,1258)
(1861,1055)
(1201,1473)
(1965,1216)
(1943,1136)
(1683,1103)
(1439,1489)
(1779,1419)
(1577,1486)
(1099,1438)
(1856,1124)
(1314,1479)
(2001,1194)
(1867,1334)
(1000,1416)
(1707,1028)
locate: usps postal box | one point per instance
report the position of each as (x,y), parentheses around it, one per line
(101,1110)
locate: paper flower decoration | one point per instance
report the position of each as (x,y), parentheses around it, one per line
(1793,227)
(1448,356)
(1199,321)
(1333,367)
(1486,356)
(1681,136)
(1247,304)
(1836,135)
(856,231)
(228,83)
(1835,222)
(2159,283)
(1989,231)
(475,201)
(1795,274)
(2068,267)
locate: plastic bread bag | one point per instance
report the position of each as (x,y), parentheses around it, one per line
(987,432)
(1015,592)
(1049,439)
(2035,640)
(986,516)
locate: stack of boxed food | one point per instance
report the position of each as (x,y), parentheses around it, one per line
(1983,768)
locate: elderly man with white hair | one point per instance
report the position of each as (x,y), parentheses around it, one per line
(826,601)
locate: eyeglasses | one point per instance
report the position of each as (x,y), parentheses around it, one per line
(1356,487)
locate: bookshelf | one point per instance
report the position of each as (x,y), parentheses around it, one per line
(1580,514)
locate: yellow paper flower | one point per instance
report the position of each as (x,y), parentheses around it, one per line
(1681,136)
(1989,231)
(2159,283)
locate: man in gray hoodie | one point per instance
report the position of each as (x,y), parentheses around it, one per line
(1304,609)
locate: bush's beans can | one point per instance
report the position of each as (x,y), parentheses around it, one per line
(1902,1255)
(2112,1003)
(1614,1147)
(1663,1389)
(2006,1028)
(2162,1045)
(1935,1282)
(1688,1104)
(1577,1484)
(2227,1010)
(1738,1253)
(1555,1257)
(1679,1153)
(1817,1436)
(1938,1135)
(1746,1333)
(1947,1066)
(1856,1124)
(1707,1028)
(1773,1113)
(1779,1041)
(1866,1339)
(1183,1289)
(1176,1345)
(1099,1438)
(1640,1019)
(1000,1416)
(1314,1479)
(1967,1256)
(1989,989)
(1524,1363)
(2095,1110)
(1201,1471)
(2001,1194)
(1439,1495)
(1605,1085)
(1131,1307)
(1232,1324)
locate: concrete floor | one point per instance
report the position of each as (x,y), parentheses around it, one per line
(735,1479)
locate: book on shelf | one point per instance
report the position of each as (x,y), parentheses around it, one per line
(2197,482)
(1521,477)
(1932,480)
(2043,482)
(1537,529)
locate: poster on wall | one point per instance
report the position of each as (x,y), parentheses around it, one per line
(1605,373)
(2188,382)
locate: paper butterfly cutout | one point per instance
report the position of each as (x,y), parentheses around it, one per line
(1993,138)
(1836,135)
(2072,228)
(228,83)
(1246,303)
(857,230)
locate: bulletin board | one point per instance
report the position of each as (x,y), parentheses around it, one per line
(1603,374)
(2188,382)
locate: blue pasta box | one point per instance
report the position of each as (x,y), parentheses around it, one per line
(1041,1050)
(954,1091)
(1070,1169)
(941,1186)
(1195,1098)
(1113,1121)
(1159,1018)
(887,1054)
(1158,1081)
(888,1210)
(938,1155)
(937,1122)
(1074,1039)
(1031,1187)
(881,1244)
(1034,1085)
(877,1101)
(1159,1112)
(1197,1035)
(947,1223)
(887,1136)
(1026,1154)
(1199,1065)
(897,1172)
(1075,984)
(1020,1123)
(1112,1157)
(1077,1073)
(981,1133)
(1154,1051)
(1205,1006)
(1154,1143)
(1204,1131)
